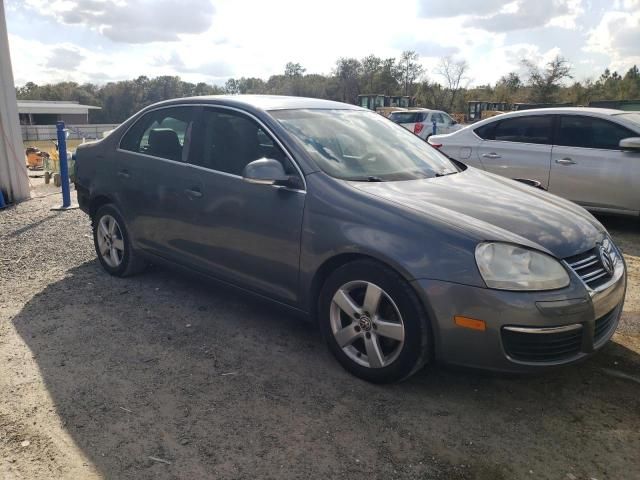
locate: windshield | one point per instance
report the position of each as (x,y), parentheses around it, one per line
(363,146)
(631,117)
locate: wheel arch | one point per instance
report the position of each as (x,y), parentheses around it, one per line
(331,264)
(97,202)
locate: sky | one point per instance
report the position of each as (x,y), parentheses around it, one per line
(212,40)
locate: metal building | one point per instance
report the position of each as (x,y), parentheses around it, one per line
(44,112)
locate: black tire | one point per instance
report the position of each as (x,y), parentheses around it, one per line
(412,354)
(130,261)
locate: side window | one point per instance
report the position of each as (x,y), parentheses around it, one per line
(589,132)
(163,133)
(485,132)
(228,141)
(437,117)
(524,130)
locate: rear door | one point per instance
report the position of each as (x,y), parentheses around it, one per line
(152,174)
(589,168)
(409,119)
(518,148)
(443,122)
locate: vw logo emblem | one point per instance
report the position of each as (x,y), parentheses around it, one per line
(605,258)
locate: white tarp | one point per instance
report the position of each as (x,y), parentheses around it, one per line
(13,173)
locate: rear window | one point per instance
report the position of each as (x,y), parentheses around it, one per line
(408,117)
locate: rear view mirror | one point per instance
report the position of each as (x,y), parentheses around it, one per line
(631,143)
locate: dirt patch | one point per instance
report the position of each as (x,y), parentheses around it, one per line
(163,376)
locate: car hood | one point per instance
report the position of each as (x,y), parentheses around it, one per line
(489,207)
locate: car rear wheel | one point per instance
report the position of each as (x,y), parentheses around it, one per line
(112,243)
(373,322)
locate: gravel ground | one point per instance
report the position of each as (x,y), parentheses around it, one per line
(162,376)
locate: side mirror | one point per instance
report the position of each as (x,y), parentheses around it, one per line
(632,143)
(530,182)
(453,122)
(265,171)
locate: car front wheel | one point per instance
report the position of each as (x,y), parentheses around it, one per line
(112,243)
(373,322)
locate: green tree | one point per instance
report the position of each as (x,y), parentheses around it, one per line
(409,70)
(347,72)
(371,66)
(545,83)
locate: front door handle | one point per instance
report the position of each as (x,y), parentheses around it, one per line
(123,174)
(565,161)
(193,193)
(491,155)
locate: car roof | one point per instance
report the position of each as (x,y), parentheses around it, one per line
(556,110)
(417,109)
(265,102)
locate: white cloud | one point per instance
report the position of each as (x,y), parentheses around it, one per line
(618,36)
(454,8)
(528,14)
(506,15)
(135,21)
(65,58)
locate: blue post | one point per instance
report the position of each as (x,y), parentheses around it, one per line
(2,202)
(433,130)
(64,168)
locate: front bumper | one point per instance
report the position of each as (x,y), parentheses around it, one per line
(525,331)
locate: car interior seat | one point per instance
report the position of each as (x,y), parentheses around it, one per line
(164,142)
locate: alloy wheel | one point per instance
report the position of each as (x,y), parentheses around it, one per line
(367,324)
(110,241)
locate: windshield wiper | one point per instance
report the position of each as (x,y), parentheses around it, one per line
(444,174)
(370,178)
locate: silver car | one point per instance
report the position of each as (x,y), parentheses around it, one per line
(422,121)
(588,155)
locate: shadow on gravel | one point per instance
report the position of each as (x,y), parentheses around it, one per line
(33,225)
(225,386)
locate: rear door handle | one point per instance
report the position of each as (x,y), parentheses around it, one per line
(565,161)
(193,193)
(491,155)
(123,174)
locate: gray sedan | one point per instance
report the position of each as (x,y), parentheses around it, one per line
(401,255)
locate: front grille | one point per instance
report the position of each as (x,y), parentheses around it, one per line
(542,345)
(589,267)
(603,325)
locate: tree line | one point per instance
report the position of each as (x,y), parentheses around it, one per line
(447,89)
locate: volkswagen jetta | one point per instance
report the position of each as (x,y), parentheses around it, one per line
(402,255)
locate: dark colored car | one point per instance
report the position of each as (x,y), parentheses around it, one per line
(402,255)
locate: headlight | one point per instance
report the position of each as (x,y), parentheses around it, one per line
(510,267)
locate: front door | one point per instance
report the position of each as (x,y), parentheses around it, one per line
(519,148)
(589,168)
(243,233)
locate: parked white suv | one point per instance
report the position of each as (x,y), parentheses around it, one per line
(420,121)
(588,155)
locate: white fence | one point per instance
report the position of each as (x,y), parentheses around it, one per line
(76,132)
